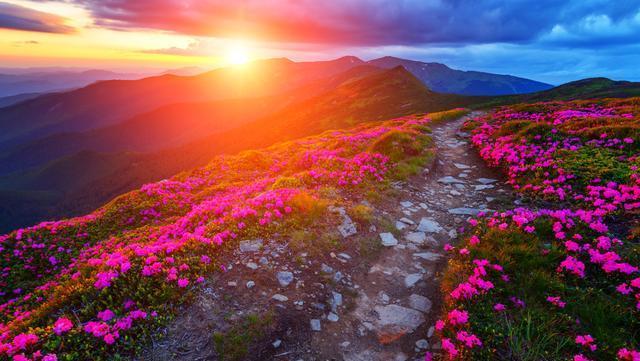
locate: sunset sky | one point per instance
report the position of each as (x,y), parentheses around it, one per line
(547,40)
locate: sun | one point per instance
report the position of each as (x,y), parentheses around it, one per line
(237,55)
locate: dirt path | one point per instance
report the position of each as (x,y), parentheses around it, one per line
(344,307)
(398,297)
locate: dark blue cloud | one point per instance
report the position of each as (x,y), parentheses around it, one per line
(20,18)
(372,22)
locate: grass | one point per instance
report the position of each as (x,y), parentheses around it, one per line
(234,345)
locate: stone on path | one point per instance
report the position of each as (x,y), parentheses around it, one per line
(428,256)
(486,180)
(411,279)
(416,237)
(347,227)
(450,180)
(280,298)
(420,303)
(422,344)
(482,187)
(461,166)
(406,204)
(252,245)
(388,240)
(315,325)
(395,321)
(429,225)
(284,278)
(333,317)
(464,211)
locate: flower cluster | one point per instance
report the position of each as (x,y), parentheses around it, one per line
(575,250)
(104,276)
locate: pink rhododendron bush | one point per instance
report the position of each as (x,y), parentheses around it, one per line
(95,287)
(559,279)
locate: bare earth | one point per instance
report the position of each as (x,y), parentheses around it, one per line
(344,306)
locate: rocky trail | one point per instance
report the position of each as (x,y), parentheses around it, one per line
(345,306)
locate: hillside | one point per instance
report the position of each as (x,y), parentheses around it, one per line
(561,269)
(88,308)
(108,102)
(591,88)
(440,78)
(363,95)
(169,126)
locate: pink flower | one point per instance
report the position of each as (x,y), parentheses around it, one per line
(580,357)
(586,341)
(106,315)
(183,282)
(499,307)
(449,348)
(572,265)
(62,325)
(556,301)
(50,357)
(458,317)
(109,338)
(474,240)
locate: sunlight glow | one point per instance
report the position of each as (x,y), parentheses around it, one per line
(237,55)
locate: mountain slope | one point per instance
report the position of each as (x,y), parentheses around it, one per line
(14,82)
(590,88)
(441,78)
(105,103)
(363,98)
(168,126)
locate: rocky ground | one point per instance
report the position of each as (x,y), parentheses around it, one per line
(274,303)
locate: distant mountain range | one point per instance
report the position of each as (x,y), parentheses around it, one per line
(440,78)
(69,152)
(579,89)
(38,81)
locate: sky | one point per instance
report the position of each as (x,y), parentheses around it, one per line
(554,41)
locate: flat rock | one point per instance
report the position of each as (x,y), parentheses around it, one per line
(333,317)
(450,180)
(252,245)
(406,220)
(411,279)
(315,325)
(397,319)
(429,256)
(461,166)
(280,298)
(429,225)
(347,228)
(481,187)
(400,225)
(464,211)
(388,240)
(252,265)
(416,237)
(486,180)
(406,204)
(420,303)
(284,278)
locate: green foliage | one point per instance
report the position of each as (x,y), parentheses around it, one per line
(589,163)
(234,345)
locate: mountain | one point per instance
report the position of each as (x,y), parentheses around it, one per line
(14,82)
(589,88)
(361,94)
(108,102)
(14,99)
(440,78)
(167,126)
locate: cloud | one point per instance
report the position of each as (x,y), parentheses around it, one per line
(356,22)
(21,18)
